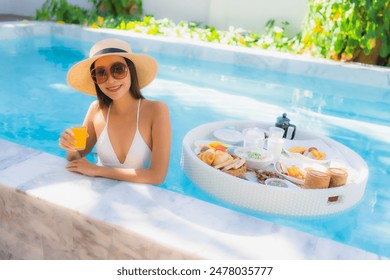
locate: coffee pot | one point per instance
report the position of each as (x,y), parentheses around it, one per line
(284,123)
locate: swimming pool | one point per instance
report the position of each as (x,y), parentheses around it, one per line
(37,105)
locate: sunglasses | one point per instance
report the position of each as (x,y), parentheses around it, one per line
(118,71)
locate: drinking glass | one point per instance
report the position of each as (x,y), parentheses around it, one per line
(80,137)
(254,137)
(276,132)
(275,147)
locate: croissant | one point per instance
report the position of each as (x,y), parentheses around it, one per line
(208,156)
(221,157)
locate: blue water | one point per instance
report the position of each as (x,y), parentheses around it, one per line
(36,105)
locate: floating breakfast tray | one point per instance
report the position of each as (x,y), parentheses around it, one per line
(259,197)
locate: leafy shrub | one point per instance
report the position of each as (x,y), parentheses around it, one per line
(61,10)
(116,8)
(348,30)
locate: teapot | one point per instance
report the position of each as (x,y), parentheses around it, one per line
(284,123)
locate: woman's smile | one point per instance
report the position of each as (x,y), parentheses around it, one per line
(114,88)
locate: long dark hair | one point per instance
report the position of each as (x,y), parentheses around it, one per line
(134,90)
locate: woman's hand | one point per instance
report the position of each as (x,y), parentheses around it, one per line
(82,166)
(67,141)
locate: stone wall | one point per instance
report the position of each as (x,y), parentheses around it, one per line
(31,228)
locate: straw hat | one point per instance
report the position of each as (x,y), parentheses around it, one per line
(79,76)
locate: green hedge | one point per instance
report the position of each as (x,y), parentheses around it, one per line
(346,30)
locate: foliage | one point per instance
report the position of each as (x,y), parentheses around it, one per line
(61,11)
(122,15)
(116,11)
(348,30)
(273,38)
(115,8)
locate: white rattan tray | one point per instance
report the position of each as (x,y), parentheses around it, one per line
(258,197)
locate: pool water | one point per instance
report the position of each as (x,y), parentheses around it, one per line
(36,105)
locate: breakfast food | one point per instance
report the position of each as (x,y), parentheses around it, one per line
(263,175)
(314,153)
(299,150)
(338,177)
(316,180)
(216,145)
(296,172)
(254,155)
(221,159)
(282,167)
(224,161)
(292,171)
(208,156)
(236,168)
(276,182)
(311,152)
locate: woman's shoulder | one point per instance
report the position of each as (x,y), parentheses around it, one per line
(94,105)
(155,106)
(94,109)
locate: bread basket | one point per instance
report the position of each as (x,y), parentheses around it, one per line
(236,172)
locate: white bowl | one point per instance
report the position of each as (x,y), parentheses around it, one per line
(281,183)
(248,153)
(276,182)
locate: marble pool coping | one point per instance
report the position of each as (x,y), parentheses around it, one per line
(178,226)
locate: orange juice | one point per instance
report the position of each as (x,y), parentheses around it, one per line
(80,137)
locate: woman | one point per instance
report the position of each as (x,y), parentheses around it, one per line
(132,134)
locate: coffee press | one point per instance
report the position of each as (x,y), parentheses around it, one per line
(284,123)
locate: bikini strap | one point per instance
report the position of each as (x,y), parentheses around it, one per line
(108,113)
(139,105)
(109,108)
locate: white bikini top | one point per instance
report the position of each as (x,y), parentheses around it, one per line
(138,156)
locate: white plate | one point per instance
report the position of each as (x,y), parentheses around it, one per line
(302,165)
(318,143)
(229,136)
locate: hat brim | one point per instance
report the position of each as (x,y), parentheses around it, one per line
(79,76)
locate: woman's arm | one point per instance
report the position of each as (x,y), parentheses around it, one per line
(66,140)
(161,147)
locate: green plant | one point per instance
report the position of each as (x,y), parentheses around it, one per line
(348,30)
(275,38)
(61,10)
(116,8)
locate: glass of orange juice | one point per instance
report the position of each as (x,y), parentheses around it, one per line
(80,137)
